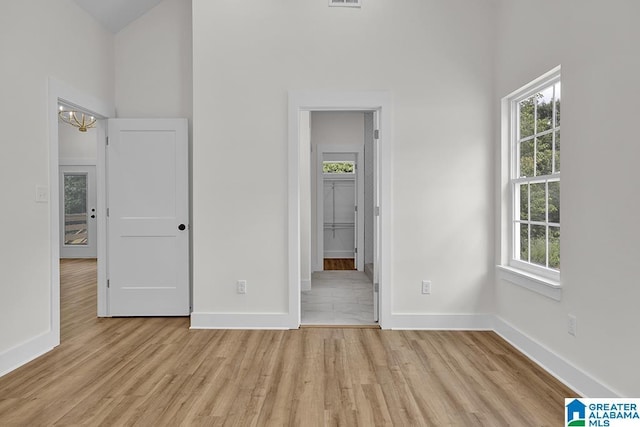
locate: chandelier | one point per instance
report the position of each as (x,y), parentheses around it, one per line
(78,119)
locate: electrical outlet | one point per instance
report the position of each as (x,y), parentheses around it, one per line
(241,286)
(572,325)
(426,286)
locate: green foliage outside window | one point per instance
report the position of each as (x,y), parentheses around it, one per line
(75,194)
(539,156)
(337,167)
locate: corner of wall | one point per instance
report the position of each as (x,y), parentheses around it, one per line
(576,379)
(24,353)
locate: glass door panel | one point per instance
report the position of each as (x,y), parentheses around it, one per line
(78,227)
(75,210)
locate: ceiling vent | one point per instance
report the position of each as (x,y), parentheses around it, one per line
(345,3)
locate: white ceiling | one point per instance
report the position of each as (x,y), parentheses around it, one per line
(116,14)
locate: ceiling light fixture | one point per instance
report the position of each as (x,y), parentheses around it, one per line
(77,119)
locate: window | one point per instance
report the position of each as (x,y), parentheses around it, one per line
(534,181)
(338,167)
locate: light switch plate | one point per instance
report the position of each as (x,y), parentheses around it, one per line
(42,193)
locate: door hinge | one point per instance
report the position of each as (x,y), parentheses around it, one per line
(376,287)
(355,250)
(107,140)
(108,283)
(376,134)
(376,211)
(107,212)
(356,209)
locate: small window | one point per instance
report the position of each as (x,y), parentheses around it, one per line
(345,3)
(534,182)
(338,167)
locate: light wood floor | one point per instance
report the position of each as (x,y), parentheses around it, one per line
(339,264)
(155,371)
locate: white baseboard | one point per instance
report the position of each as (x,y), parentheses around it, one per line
(470,322)
(564,371)
(24,353)
(242,321)
(305,285)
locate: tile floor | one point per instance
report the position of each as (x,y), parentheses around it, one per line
(338,298)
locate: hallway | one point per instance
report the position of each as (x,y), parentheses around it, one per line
(338,298)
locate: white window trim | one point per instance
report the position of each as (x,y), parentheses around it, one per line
(540,280)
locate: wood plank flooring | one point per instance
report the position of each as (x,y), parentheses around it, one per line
(157,372)
(339,264)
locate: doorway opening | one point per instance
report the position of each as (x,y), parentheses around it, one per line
(305,258)
(76,187)
(77,154)
(340,293)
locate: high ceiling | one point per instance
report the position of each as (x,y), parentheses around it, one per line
(117,14)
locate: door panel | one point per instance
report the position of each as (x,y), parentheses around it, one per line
(78,232)
(147,187)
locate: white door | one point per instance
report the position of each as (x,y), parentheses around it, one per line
(78,230)
(147,221)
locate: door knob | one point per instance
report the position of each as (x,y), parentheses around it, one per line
(181,227)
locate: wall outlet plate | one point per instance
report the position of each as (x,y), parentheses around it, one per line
(572,325)
(426,287)
(241,286)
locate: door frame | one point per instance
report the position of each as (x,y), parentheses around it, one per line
(101,109)
(358,150)
(381,103)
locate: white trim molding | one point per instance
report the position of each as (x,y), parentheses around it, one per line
(446,322)
(240,321)
(541,285)
(24,353)
(576,379)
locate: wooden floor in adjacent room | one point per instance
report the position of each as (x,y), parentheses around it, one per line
(155,371)
(339,264)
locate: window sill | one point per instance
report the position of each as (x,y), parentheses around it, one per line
(541,285)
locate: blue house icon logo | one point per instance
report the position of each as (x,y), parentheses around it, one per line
(576,413)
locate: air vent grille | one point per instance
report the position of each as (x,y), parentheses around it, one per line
(345,3)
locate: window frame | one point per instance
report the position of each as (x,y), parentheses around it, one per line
(542,279)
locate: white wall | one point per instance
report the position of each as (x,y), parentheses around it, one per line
(75,146)
(334,128)
(597,44)
(38,39)
(435,57)
(153,63)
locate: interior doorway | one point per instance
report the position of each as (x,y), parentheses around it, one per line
(77,159)
(340,292)
(84,154)
(300,257)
